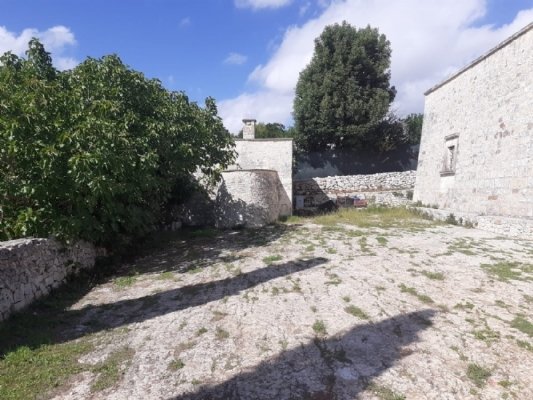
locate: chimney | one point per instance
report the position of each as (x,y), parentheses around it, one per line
(248,130)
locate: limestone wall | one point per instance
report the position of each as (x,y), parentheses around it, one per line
(486,113)
(271,154)
(389,188)
(30,268)
(250,198)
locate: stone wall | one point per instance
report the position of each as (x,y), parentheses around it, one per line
(481,121)
(270,154)
(250,198)
(389,188)
(30,268)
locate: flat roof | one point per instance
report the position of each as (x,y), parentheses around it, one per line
(483,57)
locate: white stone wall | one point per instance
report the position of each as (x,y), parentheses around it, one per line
(272,154)
(30,268)
(489,105)
(249,198)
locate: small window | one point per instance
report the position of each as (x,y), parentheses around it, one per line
(450,155)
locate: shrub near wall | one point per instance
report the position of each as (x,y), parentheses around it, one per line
(99,152)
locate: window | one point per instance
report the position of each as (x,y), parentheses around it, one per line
(450,155)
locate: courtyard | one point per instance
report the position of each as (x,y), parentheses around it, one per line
(371,304)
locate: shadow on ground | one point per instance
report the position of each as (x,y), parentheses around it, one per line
(337,368)
(51,320)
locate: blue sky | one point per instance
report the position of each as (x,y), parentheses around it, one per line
(248,53)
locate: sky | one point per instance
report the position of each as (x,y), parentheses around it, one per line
(247,54)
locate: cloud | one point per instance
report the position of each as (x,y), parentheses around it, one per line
(259,4)
(235,59)
(56,40)
(185,22)
(430,39)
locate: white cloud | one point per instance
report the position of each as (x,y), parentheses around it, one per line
(235,59)
(185,22)
(55,40)
(430,39)
(259,4)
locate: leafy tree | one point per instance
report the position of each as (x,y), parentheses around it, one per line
(344,94)
(98,152)
(271,130)
(413,125)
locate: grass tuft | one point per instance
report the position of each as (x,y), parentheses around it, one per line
(478,375)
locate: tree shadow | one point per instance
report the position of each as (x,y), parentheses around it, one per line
(337,368)
(69,324)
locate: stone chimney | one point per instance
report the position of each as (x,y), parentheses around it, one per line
(248,130)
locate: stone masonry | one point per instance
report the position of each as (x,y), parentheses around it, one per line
(30,268)
(389,188)
(476,153)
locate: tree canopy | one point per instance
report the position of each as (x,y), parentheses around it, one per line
(98,152)
(343,95)
(271,130)
(413,125)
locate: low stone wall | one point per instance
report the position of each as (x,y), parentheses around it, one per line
(30,268)
(389,188)
(521,228)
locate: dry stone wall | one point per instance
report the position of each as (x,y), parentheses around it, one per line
(389,188)
(30,268)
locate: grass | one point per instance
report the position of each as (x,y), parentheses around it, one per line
(486,335)
(385,393)
(319,327)
(176,365)
(201,331)
(506,270)
(437,276)
(221,334)
(524,345)
(112,369)
(272,259)
(412,291)
(382,240)
(370,217)
(41,369)
(478,375)
(346,298)
(356,312)
(123,282)
(523,325)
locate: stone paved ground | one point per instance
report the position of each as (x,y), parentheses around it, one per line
(315,310)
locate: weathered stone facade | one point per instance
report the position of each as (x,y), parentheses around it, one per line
(30,268)
(249,198)
(389,188)
(476,153)
(269,154)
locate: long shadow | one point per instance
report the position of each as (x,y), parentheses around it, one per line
(338,368)
(73,324)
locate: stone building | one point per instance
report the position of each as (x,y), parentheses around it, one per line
(476,151)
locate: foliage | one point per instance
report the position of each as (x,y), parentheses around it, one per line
(343,95)
(413,126)
(271,130)
(98,152)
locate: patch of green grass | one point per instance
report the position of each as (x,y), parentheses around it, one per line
(111,370)
(221,334)
(356,312)
(437,276)
(331,250)
(319,327)
(384,393)
(275,291)
(523,325)
(412,291)
(505,271)
(382,240)
(123,282)
(313,309)
(27,373)
(166,276)
(194,269)
(334,279)
(310,248)
(176,365)
(218,315)
(525,345)
(272,259)
(201,331)
(486,335)
(478,375)
(505,383)
(346,298)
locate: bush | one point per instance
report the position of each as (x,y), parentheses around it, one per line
(99,152)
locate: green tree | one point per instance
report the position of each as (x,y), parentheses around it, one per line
(413,125)
(98,152)
(271,130)
(344,94)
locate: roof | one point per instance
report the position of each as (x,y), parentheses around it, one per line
(510,39)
